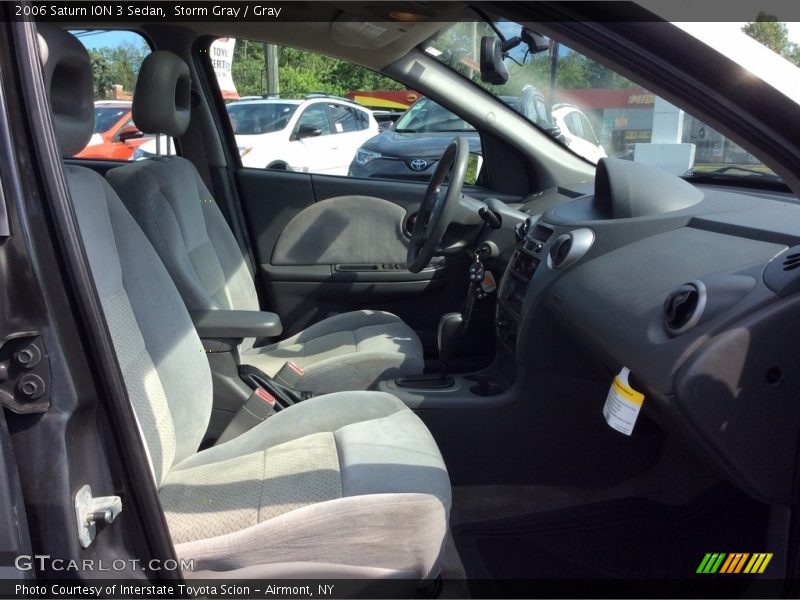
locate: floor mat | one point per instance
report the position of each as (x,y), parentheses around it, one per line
(631,546)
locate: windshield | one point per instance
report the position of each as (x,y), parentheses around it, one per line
(106,116)
(254,119)
(425,116)
(589,108)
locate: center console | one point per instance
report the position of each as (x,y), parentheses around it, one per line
(526,259)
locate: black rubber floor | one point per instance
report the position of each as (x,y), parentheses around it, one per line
(631,546)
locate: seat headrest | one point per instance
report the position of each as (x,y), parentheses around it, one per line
(161,103)
(67,74)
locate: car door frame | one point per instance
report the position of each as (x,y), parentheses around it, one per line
(88,434)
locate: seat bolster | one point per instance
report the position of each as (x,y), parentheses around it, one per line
(326,413)
(406,531)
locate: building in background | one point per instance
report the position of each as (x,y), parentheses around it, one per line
(624,117)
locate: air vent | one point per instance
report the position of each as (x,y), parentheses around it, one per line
(684,307)
(559,251)
(791,262)
(570,247)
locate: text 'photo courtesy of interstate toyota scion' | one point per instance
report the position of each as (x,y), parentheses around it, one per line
(332,300)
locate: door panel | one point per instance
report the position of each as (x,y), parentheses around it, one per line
(341,259)
(344,230)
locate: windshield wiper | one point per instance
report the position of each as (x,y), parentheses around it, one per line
(748,173)
(748,177)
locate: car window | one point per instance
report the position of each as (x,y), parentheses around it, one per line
(542,116)
(426,116)
(315,117)
(254,118)
(588,130)
(392,132)
(343,118)
(574,124)
(116,57)
(618,116)
(105,117)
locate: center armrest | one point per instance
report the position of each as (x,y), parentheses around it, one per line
(235,324)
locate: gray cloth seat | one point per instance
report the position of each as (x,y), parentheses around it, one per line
(350,484)
(178,214)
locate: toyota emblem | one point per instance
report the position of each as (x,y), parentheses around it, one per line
(418,164)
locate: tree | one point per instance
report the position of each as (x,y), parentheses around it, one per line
(774,35)
(117,65)
(301,72)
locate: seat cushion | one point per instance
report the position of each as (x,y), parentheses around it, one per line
(350,478)
(351,351)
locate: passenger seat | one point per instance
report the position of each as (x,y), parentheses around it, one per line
(167,197)
(347,485)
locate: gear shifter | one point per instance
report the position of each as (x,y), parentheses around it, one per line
(451,326)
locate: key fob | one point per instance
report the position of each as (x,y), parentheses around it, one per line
(476,271)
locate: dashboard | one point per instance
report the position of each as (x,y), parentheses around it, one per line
(694,289)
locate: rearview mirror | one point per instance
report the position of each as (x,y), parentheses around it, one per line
(307,131)
(492,68)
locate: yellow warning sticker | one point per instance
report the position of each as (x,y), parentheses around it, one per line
(623,404)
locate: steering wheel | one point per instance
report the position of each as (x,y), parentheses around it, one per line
(438,205)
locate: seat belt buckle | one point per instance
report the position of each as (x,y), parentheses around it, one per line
(290,374)
(258,407)
(263,395)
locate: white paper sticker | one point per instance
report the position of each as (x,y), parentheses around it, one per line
(623,404)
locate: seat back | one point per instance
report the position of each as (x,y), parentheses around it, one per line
(166,375)
(171,203)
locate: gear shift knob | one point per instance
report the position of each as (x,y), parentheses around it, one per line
(451,326)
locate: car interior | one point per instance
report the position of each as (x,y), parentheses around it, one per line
(428,381)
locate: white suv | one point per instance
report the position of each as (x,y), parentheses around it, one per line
(317,135)
(578,132)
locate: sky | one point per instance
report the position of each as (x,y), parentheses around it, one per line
(103,39)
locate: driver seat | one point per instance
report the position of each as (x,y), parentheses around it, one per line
(167,197)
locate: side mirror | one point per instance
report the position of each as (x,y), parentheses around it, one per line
(553,131)
(307,131)
(492,68)
(130,133)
